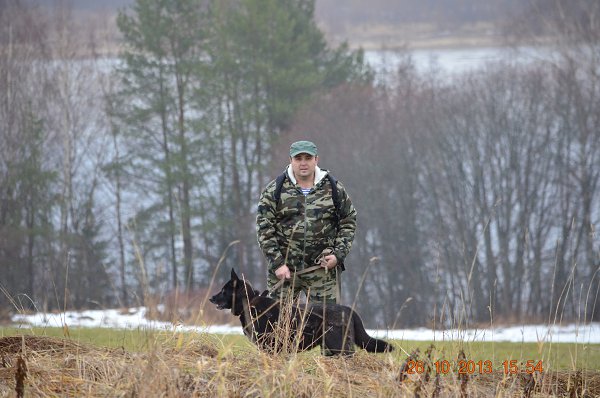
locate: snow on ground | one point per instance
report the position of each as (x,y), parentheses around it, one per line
(134,318)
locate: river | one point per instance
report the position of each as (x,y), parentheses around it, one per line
(455,60)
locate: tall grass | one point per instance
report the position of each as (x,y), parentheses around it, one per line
(103,362)
(64,361)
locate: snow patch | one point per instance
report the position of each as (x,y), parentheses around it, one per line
(134,318)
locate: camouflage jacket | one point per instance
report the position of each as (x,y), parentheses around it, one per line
(297,229)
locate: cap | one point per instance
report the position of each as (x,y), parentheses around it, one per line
(303,147)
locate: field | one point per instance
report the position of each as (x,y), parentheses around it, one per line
(105,362)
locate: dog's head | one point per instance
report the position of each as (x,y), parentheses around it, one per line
(232,294)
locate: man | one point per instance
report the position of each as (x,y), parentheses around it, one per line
(297,225)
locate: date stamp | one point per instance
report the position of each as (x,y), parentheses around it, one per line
(469,367)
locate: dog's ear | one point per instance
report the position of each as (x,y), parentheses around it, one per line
(234,276)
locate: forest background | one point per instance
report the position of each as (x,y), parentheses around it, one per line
(135,139)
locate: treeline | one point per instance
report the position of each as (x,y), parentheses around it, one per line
(353,12)
(131,176)
(477,197)
(52,140)
(122,178)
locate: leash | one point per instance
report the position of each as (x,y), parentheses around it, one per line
(319,264)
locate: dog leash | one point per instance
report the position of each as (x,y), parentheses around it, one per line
(319,264)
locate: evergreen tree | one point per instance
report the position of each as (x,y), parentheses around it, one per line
(26,203)
(163,40)
(268,59)
(35,185)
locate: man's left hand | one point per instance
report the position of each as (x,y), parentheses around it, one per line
(329,261)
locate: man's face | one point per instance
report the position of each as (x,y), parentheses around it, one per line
(303,165)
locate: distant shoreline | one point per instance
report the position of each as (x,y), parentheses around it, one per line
(428,44)
(417,36)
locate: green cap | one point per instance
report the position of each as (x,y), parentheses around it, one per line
(303,147)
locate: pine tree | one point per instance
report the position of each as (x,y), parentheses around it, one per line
(163,40)
(268,58)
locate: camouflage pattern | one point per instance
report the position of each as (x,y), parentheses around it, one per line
(298,228)
(319,286)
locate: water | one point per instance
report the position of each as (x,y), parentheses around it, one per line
(454,60)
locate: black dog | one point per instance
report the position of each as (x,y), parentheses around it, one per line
(336,328)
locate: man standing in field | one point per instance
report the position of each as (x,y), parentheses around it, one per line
(305,218)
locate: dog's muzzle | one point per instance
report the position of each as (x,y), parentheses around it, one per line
(213,300)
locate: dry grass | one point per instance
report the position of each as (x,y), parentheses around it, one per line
(202,366)
(188,308)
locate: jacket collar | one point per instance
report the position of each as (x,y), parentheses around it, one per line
(319,174)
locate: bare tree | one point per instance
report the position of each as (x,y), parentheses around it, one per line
(25,196)
(73,97)
(572,56)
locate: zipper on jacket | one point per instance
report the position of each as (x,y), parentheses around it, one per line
(305,228)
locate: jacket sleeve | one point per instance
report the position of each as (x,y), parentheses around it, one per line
(265,228)
(347,225)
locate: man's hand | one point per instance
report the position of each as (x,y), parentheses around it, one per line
(283,272)
(329,261)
